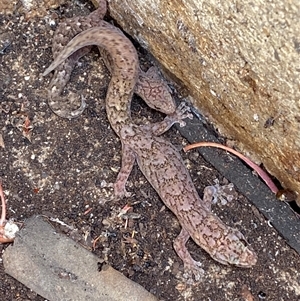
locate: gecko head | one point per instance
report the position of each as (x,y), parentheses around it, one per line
(234,249)
(160,99)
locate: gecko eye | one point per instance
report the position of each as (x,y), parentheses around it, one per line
(244,242)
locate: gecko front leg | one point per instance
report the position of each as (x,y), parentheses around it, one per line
(128,159)
(158,128)
(191,266)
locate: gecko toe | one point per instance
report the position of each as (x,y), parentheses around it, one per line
(193,272)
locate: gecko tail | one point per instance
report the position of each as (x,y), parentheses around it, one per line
(103,36)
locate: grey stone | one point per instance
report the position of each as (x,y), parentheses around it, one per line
(59,269)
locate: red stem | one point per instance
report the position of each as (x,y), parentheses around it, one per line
(258,169)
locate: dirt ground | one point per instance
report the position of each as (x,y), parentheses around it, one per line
(67,170)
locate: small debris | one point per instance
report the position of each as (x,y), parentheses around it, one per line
(246,294)
(22,121)
(2,141)
(56,220)
(270,121)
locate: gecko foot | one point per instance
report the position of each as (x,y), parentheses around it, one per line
(120,191)
(226,193)
(62,106)
(193,272)
(182,112)
(192,268)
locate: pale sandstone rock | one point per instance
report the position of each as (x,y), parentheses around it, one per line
(240,63)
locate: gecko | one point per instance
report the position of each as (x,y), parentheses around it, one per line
(159,160)
(149,85)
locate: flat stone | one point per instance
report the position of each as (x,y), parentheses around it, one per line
(59,269)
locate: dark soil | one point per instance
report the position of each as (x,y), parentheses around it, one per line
(67,170)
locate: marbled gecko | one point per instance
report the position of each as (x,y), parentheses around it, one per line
(158,159)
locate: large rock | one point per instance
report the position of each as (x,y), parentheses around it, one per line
(240,63)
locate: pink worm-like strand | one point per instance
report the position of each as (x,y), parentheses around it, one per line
(3,211)
(258,169)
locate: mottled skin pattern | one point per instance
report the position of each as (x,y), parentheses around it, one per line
(149,85)
(159,160)
(64,33)
(164,168)
(124,72)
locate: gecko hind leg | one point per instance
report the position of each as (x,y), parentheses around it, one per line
(128,159)
(211,194)
(225,193)
(191,266)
